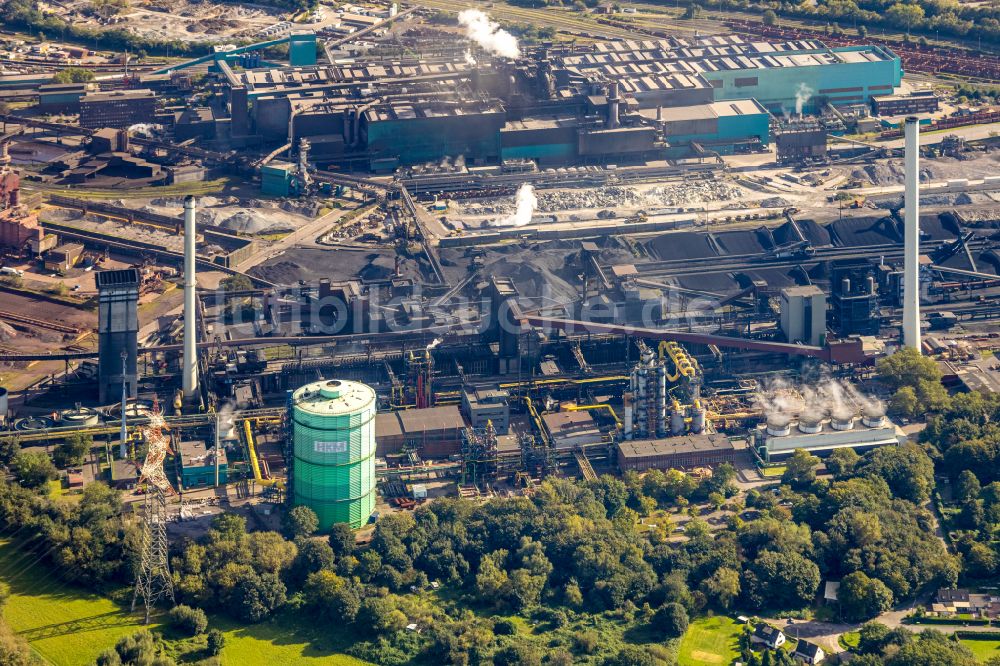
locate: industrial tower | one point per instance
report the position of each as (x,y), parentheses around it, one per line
(153,581)
(911,235)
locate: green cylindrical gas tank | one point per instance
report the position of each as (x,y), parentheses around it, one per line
(333,443)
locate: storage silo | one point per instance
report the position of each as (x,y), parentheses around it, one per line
(333,444)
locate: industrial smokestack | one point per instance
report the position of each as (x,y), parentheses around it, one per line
(613,101)
(911,236)
(190,358)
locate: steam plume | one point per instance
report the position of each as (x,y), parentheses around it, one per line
(488,34)
(802,95)
(824,396)
(527,203)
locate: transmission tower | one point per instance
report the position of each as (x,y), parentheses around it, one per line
(153,582)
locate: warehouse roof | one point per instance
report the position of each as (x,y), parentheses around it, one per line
(569,424)
(651,448)
(431,418)
(733,107)
(111,95)
(195,453)
(387,425)
(412,421)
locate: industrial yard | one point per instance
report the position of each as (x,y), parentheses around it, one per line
(497,335)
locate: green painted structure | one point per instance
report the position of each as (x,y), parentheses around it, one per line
(333,450)
(276,179)
(721,127)
(197,462)
(842,75)
(302,49)
(301,52)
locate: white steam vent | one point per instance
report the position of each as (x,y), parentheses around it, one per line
(488,34)
(526,203)
(811,422)
(778,425)
(873,416)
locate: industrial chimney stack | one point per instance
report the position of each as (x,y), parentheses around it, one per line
(190,358)
(614,101)
(911,236)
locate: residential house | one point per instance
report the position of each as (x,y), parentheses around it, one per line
(808,653)
(768,636)
(956,601)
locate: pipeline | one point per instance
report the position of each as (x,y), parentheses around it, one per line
(254,463)
(584,408)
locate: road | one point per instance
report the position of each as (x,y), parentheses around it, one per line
(309,230)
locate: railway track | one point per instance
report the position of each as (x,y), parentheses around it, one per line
(39,323)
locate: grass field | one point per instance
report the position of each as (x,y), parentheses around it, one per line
(283,642)
(69,626)
(63,624)
(982,648)
(710,640)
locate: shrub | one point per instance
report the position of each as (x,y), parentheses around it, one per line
(216,641)
(504,627)
(192,621)
(586,642)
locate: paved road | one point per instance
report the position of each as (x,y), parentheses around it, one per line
(309,230)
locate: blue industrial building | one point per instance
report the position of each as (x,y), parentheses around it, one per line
(778,79)
(721,127)
(774,74)
(198,465)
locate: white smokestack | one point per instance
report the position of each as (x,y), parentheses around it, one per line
(527,203)
(190,358)
(911,236)
(488,34)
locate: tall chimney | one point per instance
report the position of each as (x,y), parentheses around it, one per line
(911,236)
(613,101)
(190,358)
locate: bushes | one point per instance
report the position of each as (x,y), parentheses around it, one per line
(671,620)
(504,627)
(216,641)
(586,642)
(192,621)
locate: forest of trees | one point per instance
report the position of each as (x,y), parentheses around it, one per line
(576,552)
(573,550)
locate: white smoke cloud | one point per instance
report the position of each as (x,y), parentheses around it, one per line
(145,129)
(802,95)
(526,204)
(227,426)
(470,59)
(817,397)
(434,343)
(488,34)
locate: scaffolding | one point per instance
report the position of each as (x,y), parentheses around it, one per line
(479,455)
(537,460)
(420,365)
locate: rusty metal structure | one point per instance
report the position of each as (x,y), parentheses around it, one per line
(153,582)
